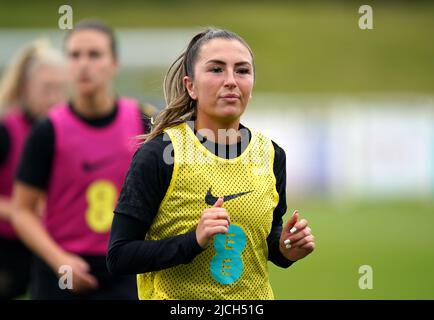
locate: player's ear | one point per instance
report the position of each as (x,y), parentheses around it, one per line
(189,85)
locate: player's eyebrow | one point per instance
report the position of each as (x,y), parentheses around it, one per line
(216,61)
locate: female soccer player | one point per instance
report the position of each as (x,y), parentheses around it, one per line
(32,83)
(77,158)
(200,212)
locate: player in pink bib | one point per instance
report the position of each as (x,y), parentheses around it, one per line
(32,83)
(15,127)
(78,158)
(87,175)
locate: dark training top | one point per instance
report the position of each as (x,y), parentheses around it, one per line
(147,181)
(5,144)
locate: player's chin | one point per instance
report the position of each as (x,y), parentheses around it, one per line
(231,111)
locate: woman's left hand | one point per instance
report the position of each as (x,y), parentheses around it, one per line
(296,240)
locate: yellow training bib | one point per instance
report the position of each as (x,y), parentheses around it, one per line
(234,266)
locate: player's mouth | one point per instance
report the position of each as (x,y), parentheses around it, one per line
(230,97)
(84,79)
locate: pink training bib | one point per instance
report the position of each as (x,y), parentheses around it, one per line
(88,171)
(18,128)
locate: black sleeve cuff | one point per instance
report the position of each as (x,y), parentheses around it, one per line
(274,254)
(277,257)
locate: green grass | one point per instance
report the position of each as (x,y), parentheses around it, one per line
(395,238)
(315,47)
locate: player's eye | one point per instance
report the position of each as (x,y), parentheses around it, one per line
(74,54)
(216,69)
(94,54)
(243,70)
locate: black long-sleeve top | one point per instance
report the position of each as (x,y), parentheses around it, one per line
(145,186)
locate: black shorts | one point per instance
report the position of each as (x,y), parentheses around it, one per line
(45,283)
(15,265)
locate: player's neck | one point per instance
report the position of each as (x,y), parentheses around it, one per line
(219,132)
(96,105)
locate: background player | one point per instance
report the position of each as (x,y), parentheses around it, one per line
(78,158)
(34,81)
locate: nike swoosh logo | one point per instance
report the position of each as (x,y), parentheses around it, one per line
(95,165)
(210,199)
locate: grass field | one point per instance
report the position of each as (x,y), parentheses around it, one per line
(395,238)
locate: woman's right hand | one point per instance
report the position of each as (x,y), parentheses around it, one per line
(213,221)
(82,280)
(28,203)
